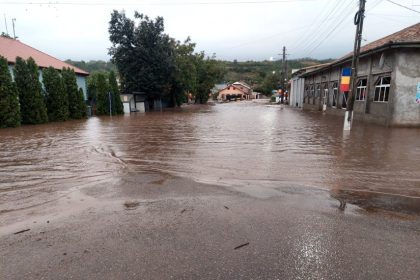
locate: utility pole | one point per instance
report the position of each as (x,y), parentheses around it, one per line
(284,75)
(358,21)
(13,24)
(5,24)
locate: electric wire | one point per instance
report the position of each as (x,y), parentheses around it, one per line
(320,39)
(403,6)
(87,3)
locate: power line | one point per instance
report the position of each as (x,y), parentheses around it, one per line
(153,3)
(343,14)
(405,7)
(315,25)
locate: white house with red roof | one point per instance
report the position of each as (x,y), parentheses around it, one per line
(237,90)
(12,48)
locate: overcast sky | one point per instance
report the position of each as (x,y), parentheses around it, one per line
(233,29)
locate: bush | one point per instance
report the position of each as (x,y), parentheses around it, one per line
(57,99)
(9,102)
(32,103)
(77,106)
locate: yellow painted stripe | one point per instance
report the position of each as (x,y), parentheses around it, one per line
(345,80)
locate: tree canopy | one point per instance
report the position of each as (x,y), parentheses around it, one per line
(150,61)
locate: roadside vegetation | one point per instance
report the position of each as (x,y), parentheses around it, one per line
(102,88)
(24,100)
(150,61)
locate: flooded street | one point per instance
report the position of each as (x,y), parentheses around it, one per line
(251,147)
(176,191)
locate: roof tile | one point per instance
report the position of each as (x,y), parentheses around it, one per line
(11,48)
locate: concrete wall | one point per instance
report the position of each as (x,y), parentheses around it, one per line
(400,110)
(406,112)
(297,92)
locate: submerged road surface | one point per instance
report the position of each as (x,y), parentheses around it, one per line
(232,191)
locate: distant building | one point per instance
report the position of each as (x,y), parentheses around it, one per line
(236,90)
(386,87)
(12,48)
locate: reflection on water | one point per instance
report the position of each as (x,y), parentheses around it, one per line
(240,144)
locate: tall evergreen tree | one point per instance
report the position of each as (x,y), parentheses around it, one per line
(102,99)
(77,108)
(57,100)
(9,102)
(82,103)
(117,106)
(32,103)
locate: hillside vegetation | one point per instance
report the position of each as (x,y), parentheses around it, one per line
(263,76)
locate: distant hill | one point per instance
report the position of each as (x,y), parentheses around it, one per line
(93,65)
(254,72)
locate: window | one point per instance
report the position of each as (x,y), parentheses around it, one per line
(334,94)
(325,96)
(382,89)
(306,98)
(317,92)
(361,90)
(312,93)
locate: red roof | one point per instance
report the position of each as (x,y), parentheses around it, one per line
(407,36)
(11,48)
(410,34)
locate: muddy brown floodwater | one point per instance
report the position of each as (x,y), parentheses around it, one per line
(235,145)
(231,191)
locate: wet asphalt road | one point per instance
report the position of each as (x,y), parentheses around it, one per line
(138,215)
(191,233)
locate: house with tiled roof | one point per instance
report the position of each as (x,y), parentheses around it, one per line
(235,91)
(12,48)
(386,88)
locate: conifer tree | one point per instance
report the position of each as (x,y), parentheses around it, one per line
(117,106)
(32,103)
(9,102)
(77,108)
(82,103)
(102,99)
(57,100)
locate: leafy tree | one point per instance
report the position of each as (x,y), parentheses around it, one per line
(29,88)
(185,72)
(117,106)
(209,71)
(270,82)
(9,102)
(142,53)
(56,95)
(102,99)
(77,107)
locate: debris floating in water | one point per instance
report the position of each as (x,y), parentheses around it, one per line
(240,246)
(22,231)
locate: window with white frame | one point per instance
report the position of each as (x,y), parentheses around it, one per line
(382,89)
(361,90)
